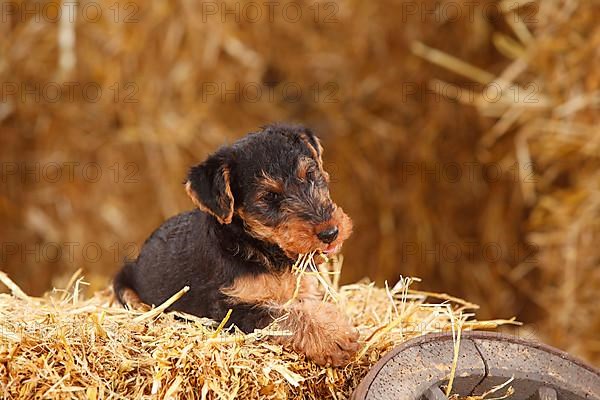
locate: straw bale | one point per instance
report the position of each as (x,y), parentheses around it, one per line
(383,119)
(64,345)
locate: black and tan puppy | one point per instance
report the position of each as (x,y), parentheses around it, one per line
(261,202)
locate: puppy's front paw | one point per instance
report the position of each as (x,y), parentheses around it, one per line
(323,333)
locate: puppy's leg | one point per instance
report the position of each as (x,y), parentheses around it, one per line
(123,291)
(320,330)
(131,300)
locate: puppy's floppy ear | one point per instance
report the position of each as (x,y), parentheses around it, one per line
(209,188)
(314,145)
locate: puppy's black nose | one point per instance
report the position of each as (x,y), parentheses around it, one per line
(328,235)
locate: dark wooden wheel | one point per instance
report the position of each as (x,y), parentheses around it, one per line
(417,369)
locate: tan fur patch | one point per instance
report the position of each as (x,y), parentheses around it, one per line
(316,152)
(274,289)
(270,184)
(302,168)
(340,219)
(320,330)
(296,236)
(133,301)
(229,201)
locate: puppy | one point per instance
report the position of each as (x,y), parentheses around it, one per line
(260,203)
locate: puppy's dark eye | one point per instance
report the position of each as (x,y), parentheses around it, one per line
(272,197)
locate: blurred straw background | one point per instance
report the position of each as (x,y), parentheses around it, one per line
(462,137)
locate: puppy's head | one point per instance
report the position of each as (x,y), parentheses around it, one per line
(275,182)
